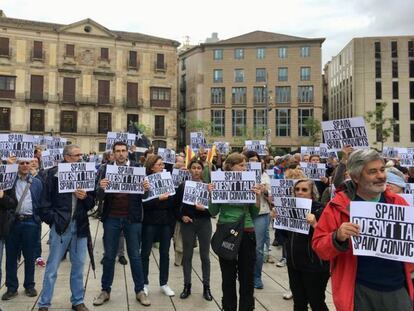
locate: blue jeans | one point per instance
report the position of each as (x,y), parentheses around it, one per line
(23,236)
(77,250)
(112,231)
(261,225)
(150,234)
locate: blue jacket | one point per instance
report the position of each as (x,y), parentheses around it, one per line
(36,192)
(134,200)
(56,208)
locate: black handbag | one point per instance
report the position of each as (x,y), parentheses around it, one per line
(227,239)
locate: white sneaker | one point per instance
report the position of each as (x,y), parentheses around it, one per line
(167,290)
(288,295)
(281,263)
(146,290)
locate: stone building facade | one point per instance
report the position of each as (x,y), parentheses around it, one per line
(82,80)
(254,85)
(370,71)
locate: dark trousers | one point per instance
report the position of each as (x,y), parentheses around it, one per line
(151,234)
(367,299)
(243,269)
(200,228)
(23,237)
(308,287)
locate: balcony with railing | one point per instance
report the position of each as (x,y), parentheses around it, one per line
(160,133)
(133,64)
(37,55)
(6,52)
(104,100)
(36,97)
(160,67)
(133,103)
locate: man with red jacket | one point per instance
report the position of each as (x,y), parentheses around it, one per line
(361,282)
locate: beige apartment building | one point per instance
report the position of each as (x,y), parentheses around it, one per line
(82,80)
(251,85)
(369,71)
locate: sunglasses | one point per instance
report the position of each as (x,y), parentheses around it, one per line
(297,189)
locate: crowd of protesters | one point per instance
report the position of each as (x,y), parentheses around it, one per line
(358,282)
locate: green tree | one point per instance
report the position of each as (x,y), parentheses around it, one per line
(384,127)
(314,129)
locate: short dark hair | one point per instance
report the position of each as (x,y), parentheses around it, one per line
(251,154)
(119,143)
(150,162)
(195,160)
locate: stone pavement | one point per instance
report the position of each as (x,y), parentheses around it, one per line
(123,298)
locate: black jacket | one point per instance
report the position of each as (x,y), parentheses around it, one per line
(135,213)
(186,209)
(56,208)
(300,254)
(8,204)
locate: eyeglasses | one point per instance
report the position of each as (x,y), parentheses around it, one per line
(24,163)
(297,189)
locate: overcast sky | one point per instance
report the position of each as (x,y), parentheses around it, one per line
(336,20)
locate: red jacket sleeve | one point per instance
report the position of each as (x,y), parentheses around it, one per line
(323,241)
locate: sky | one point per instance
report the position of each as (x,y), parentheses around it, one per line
(336,20)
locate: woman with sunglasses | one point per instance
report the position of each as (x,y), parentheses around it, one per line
(158,225)
(308,274)
(241,268)
(196,223)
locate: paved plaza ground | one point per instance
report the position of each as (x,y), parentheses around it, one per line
(123,298)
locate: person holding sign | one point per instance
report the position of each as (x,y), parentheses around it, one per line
(158,225)
(308,275)
(196,223)
(121,212)
(361,282)
(23,234)
(67,216)
(241,268)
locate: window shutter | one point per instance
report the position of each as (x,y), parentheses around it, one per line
(132,93)
(133,59)
(103,92)
(69,89)
(160,61)
(38,49)
(70,50)
(4,46)
(104,53)
(36,87)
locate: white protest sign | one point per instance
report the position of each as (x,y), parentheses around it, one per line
(291,214)
(78,175)
(19,145)
(8,175)
(339,133)
(255,167)
(39,140)
(197,141)
(313,171)
(309,150)
(160,183)
(113,137)
(390,152)
(51,157)
(196,193)
(256,145)
(222,147)
(409,188)
(125,179)
(271,173)
(179,176)
(386,230)
(325,153)
(54,142)
(167,155)
(282,187)
(233,187)
(406,156)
